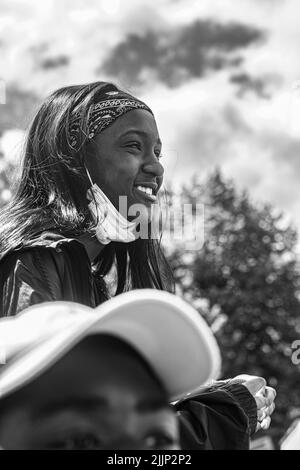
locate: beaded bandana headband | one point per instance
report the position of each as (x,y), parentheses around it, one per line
(103,114)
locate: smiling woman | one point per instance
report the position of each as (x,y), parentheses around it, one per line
(65,230)
(88,146)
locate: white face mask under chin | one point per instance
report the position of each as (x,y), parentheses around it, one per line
(111,225)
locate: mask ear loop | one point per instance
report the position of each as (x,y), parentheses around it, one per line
(89,176)
(90,193)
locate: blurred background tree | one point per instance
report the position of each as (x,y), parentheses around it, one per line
(246,282)
(15,115)
(18,110)
(5,170)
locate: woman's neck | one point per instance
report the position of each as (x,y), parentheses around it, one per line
(92,245)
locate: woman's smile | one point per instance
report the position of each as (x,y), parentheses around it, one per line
(147,191)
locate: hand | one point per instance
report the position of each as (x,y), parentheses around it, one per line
(263,395)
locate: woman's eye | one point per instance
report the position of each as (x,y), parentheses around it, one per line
(136,145)
(87,442)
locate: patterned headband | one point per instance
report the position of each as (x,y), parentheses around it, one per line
(103,114)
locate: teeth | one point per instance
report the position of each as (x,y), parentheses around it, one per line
(145,190)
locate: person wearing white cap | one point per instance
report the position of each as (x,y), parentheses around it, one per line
(77,378)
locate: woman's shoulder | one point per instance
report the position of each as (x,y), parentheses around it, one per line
(46,245)
(50,240)
(47,257)
(44,269)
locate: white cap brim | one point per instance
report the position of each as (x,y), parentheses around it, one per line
(170,335)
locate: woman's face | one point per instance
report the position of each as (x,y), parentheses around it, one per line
(124,160)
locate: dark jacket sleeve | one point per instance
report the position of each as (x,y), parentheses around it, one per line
(217,419)
(30,277)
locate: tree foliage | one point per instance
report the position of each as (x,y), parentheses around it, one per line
(246,282)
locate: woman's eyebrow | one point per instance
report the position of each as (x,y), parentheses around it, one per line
(139,132)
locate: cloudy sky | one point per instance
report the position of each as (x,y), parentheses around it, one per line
(223,77)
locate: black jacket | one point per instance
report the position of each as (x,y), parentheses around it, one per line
(48,268)
(55,268)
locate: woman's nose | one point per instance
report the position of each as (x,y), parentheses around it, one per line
(155,168)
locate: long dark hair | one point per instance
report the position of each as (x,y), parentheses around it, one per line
(51,194)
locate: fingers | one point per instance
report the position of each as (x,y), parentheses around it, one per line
(270,409)
(261,402)
(265,397)
(261,414)
(253,383)
(265,424)
(270,393)
(265,412)
(265,407)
